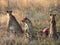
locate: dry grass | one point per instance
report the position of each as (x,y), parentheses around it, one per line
(9,38)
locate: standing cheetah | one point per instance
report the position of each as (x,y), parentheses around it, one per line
(13,24)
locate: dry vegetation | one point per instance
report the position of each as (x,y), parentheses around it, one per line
(36,11)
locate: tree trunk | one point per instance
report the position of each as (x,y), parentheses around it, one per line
(52,32)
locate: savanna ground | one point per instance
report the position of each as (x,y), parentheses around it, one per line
(37,12)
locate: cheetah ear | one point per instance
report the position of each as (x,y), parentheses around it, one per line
(50,14)
(25,18)
(9,11)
